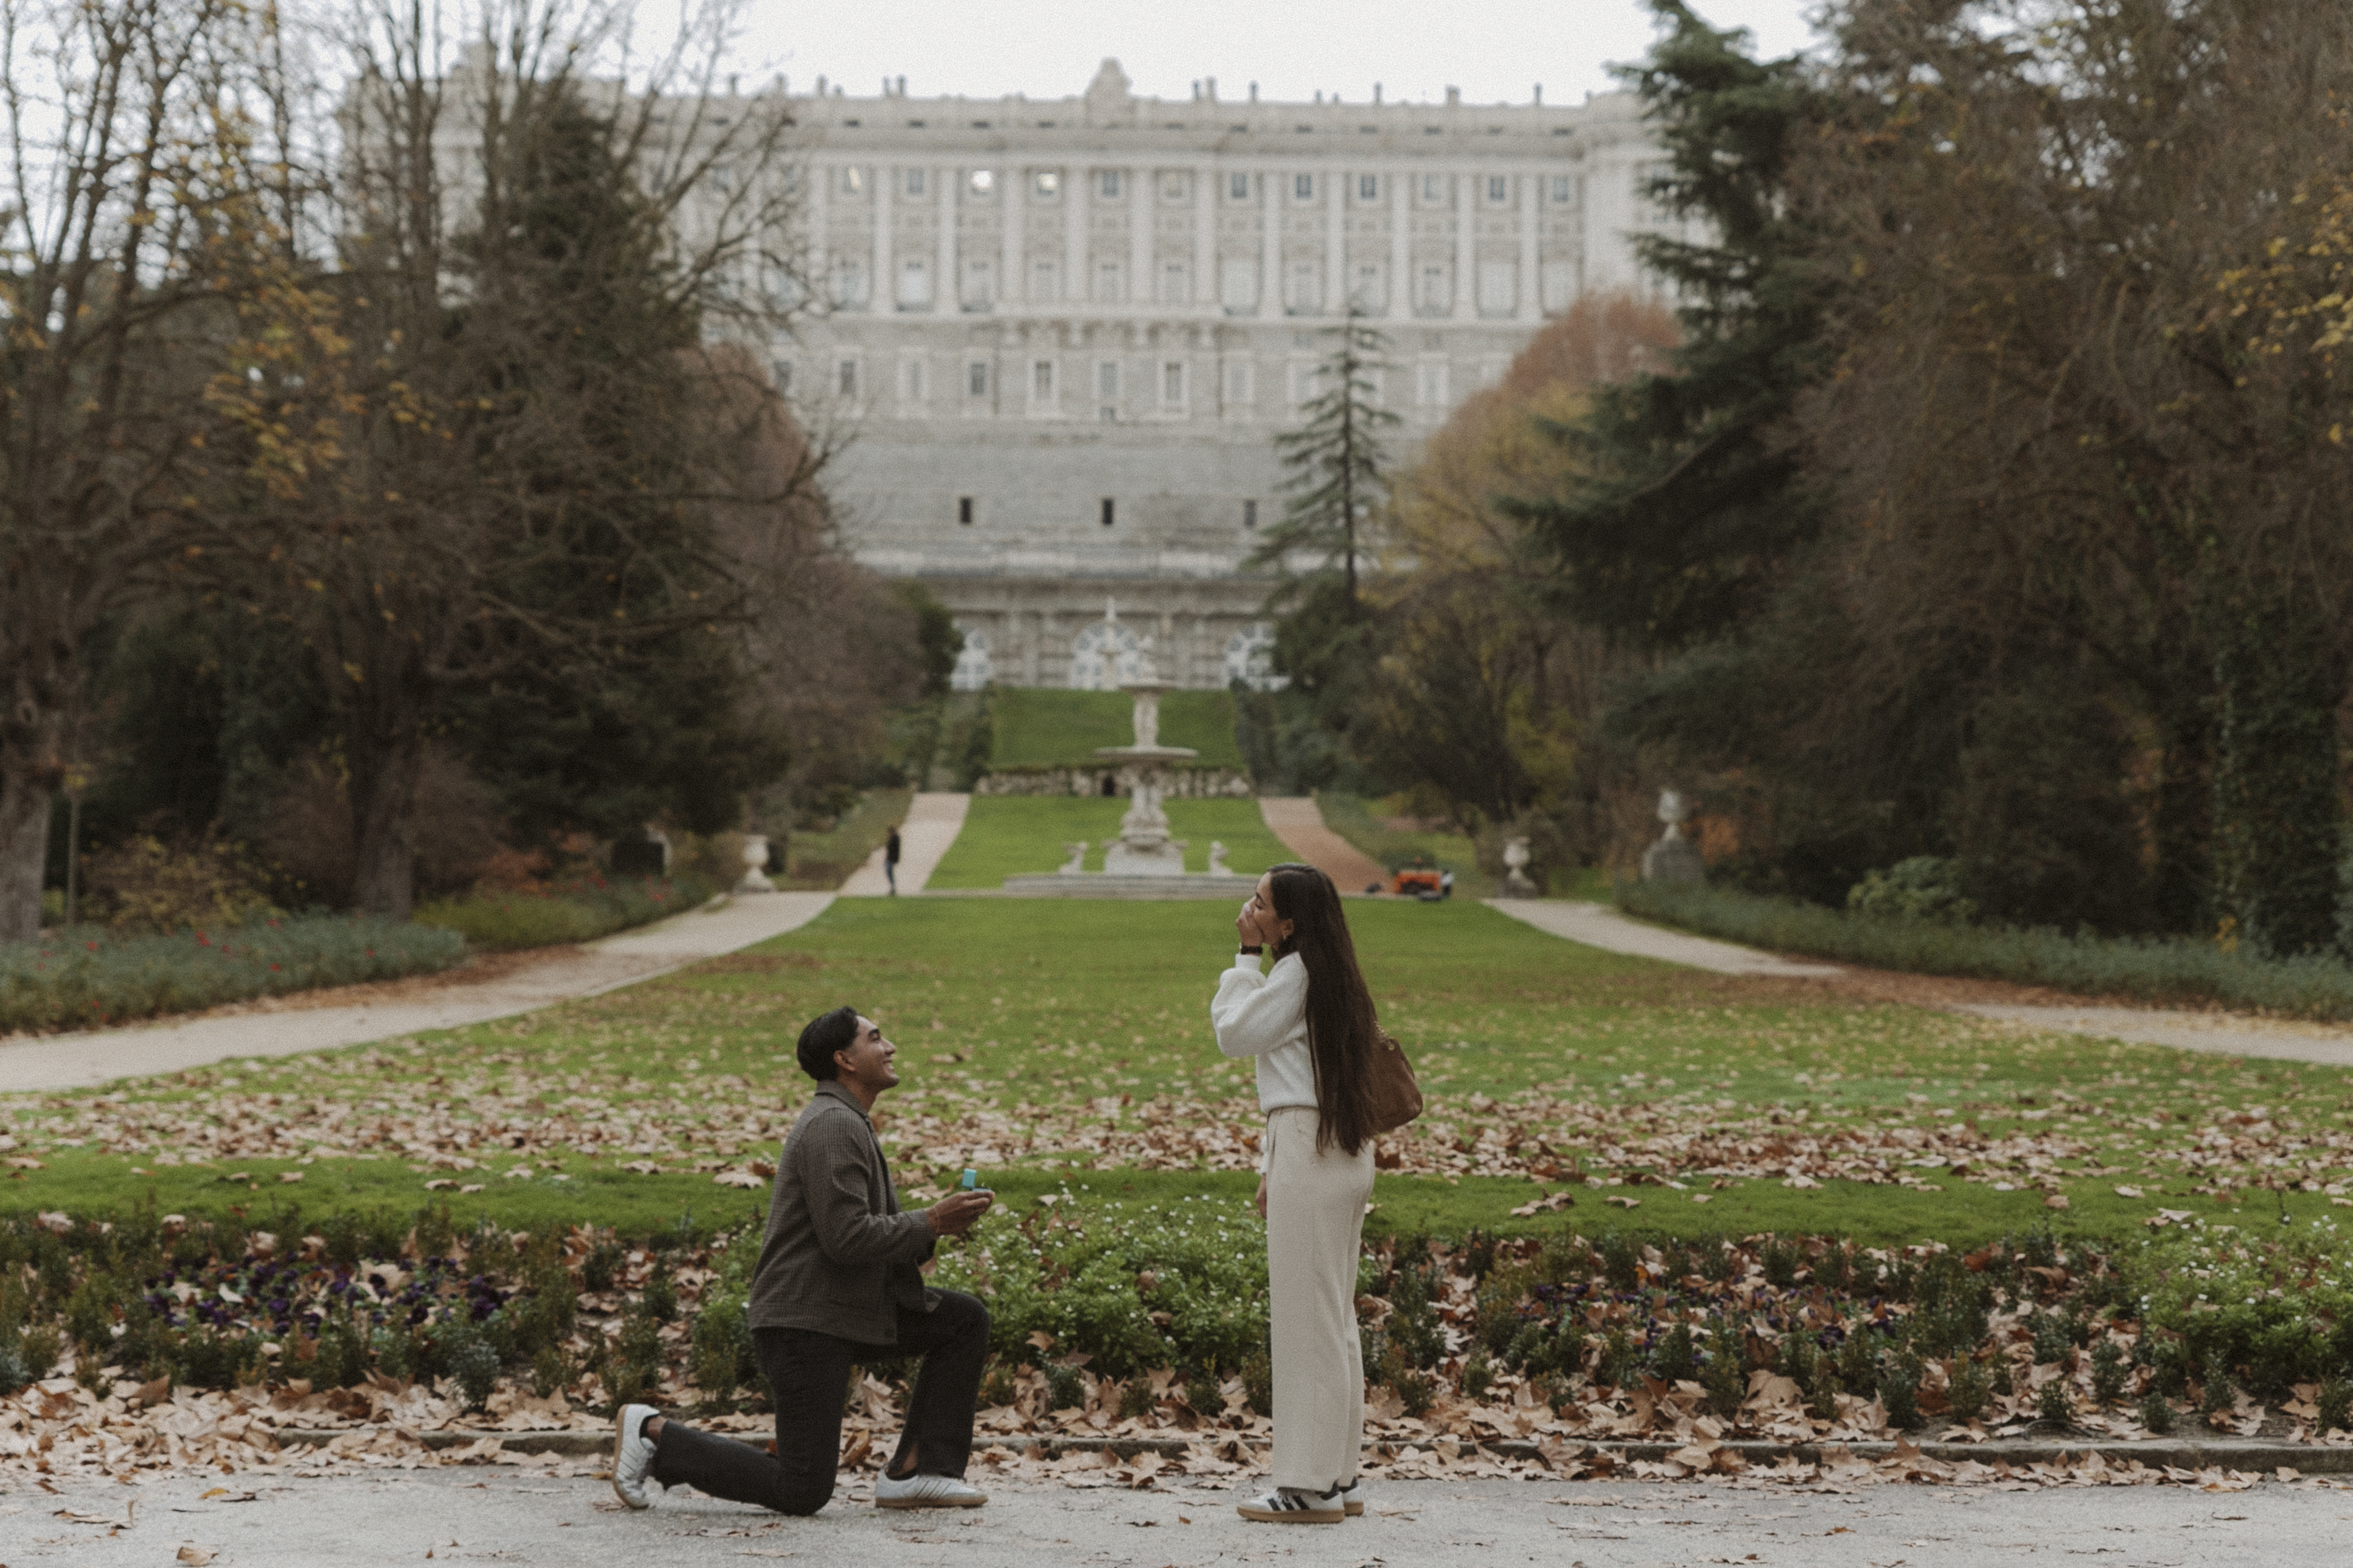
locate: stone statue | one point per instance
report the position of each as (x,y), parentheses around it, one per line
(1674,858)
(1077,863)
(1146,718)
(1217,867)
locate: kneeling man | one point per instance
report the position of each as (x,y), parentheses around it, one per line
(838,1281)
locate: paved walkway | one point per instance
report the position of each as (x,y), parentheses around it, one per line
(1297,821)
(494,1513)
(78,1061)
(934,820)
(2229,1034)
(1599,925)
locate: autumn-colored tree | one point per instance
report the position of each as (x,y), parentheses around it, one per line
(1481,686)
(142,216)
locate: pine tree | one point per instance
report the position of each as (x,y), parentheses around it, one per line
(1338,469)
(1693,504)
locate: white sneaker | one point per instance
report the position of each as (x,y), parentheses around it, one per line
(633,1455)
(1289,1505)
(920,1490)
(1352,1498)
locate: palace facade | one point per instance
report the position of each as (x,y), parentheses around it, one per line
(1061,333)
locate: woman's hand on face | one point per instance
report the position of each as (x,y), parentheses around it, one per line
(1246,923)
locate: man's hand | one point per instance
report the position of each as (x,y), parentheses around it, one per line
(954,1215)
(1260,1199)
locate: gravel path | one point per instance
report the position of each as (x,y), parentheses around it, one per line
(500,1515)
(1299,823)
(1599,925)
(75,1061)
(934,820)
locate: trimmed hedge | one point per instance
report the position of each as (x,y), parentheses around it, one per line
(2152,969)
(580,910)
(86,977)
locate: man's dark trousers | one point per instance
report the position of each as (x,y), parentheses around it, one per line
(809,1378)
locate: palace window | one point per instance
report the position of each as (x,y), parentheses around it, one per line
(914,182)
(963,511)
(1048,184)
(975,378)
(851,181)
(1369,188)
(1173,186)
(1433,190)
(1564,189)
(1172,383)
(1499,190)
(1303,187)
(1111,185)
(1107,511)
(1237,187)
(845,378)
(1249,514)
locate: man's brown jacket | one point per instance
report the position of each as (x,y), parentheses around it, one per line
(839,1256)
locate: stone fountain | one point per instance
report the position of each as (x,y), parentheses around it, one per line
(1144,860)
(1144,847)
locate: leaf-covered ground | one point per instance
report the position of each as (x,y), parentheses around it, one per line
(1051,1035)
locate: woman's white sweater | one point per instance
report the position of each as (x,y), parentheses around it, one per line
(1265,1015)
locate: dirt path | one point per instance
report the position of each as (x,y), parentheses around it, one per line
(1299,824)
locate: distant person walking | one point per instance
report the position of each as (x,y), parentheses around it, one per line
(1308,1020)
(890,861)
(837,1283)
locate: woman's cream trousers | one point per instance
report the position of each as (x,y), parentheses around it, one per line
(1314,1225)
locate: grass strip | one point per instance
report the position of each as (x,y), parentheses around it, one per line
(1040,727)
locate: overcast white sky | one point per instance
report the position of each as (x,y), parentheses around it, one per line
(1495,51)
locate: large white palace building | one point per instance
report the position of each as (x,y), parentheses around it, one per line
(1062,332)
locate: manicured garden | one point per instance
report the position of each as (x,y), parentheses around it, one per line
(1734,1134)
(1014,835)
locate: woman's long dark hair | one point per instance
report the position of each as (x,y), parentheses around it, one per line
(1339,1009)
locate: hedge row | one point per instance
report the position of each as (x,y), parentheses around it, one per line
(578,910)
(85,977)
(2153,969)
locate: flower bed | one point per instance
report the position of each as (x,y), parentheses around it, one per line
(1558,1344)
(580,909)
(2158,969)
(84,977)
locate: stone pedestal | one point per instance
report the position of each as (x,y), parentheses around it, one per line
(1674,858)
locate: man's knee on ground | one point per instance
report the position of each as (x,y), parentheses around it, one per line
(799,1498)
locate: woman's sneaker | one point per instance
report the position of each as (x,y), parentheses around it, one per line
(1352,1498)
(920,1490)
(633,1455)
(1289,1505)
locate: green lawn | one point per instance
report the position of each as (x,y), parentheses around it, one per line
(1069,1040)
(1037,727)
(1016,835)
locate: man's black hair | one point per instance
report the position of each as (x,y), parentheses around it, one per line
(825,1033)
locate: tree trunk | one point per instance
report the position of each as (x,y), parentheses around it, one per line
(384,822)
(2182,820)
(24,796)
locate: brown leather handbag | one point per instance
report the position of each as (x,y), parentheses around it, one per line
(1396,1097)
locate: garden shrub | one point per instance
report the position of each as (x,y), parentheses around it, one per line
(2153,969)
(1925,887)
(84,976)
(1095,1281)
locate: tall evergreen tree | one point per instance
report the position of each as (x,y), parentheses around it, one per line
(1694,504)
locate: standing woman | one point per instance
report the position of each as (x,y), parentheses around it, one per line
(1308,1020)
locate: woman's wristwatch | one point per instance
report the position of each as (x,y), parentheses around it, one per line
(1254,949)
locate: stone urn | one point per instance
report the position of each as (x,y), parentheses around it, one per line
(755,865)
(1674,858)
(1516,884)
